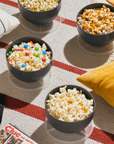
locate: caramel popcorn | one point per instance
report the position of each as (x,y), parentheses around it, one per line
(97,21)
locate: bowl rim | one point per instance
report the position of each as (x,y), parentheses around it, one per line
(75,86)
(35,70)
(85,8)
(40,11)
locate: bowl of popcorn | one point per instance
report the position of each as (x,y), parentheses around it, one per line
(69,108)
(95,24)
(29,59)
(39,12)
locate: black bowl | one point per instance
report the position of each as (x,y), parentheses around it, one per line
(39,18)
(92,39)
(69,127)
(30,76)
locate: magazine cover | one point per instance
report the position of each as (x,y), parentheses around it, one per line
(11,135)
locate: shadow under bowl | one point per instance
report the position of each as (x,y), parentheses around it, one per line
(39,18)
(92,39)
(69,127)
(28,76)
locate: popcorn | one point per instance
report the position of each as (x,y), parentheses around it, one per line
(97,21)
(39,5)
(29,57)
(69,105)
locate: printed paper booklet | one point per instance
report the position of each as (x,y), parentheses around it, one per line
(11,135)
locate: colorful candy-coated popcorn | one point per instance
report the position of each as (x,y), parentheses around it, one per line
(25,46)
(23,65)
(36,48)
(21,55)
(31,42)
(9,59)
(27,54)
(20,49)
(43,59)
(38,55)
(10,52)
(44,52)
(16,61)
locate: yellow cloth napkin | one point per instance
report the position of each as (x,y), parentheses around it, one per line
(101,81)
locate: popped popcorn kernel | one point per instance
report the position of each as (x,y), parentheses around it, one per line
(39,5)
(69,105)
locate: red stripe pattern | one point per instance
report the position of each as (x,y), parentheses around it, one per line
(68,67)
(25,108)
(70,22)
(8,2)
(102,136)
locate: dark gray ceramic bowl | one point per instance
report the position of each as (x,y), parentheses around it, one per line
(39,18)
(69,127)
(31,76)
(95,40)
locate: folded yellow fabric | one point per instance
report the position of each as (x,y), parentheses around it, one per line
(101,81)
